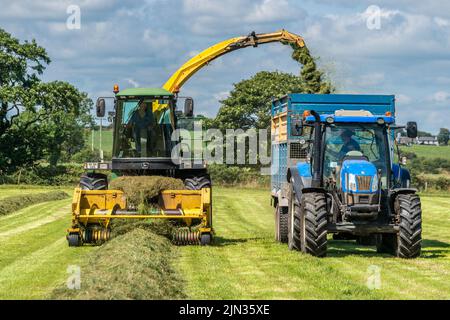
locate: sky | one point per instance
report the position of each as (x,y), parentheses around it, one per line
(367,47)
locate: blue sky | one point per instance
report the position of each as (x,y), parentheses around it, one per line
(140,43)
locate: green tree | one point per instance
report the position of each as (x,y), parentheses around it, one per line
(443,136)
(248,104)
(36,119)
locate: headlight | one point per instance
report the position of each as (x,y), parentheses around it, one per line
(375,183)
(352,182)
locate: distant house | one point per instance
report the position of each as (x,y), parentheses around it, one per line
(433,141)
(405,141)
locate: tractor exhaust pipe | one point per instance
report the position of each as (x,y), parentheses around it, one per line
(317,151)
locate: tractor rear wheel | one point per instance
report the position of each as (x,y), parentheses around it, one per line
(94,181)
(407,242)
(281,224)
(313,224)
(197,182)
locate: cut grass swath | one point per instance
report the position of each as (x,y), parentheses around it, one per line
(14,203)
(134,265)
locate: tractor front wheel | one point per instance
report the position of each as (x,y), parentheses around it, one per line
(407,242)
(313,224)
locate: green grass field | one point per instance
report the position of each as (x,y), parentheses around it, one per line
(107,139)
(428,151)
(244,263)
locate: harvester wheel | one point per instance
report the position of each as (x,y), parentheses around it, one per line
(281,224)
(407,242)
(74,240)
(205,239)
(197,182)
(313,224)
(94,181)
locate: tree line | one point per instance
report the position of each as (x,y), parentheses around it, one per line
(38,120)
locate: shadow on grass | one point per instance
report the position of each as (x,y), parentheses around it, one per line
(221,241)
(341,248)
(434,249)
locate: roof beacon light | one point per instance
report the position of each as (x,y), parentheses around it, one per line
(306,113)
(116,88)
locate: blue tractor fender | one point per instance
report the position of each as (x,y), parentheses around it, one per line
(402,177)
(300,177)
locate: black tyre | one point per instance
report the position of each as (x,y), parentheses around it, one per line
(313,224)
(198,182)
(407,243)
(293,220)
(281,224)
(74,240)
(205,239)
(94,181)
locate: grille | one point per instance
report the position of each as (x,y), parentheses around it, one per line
(364,182)
(297,151)
(364,199)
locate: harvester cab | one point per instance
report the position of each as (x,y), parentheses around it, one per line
(340,175)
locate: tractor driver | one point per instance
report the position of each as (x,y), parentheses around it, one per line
(349,144)
(142,121)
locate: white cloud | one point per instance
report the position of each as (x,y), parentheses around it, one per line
(133,82)
(440,97)
(269,11)
(211,17)
(371,79)
(221,95)
(403,98)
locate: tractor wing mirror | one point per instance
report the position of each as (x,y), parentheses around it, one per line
(100,107)
(296,127)
(189,107)
(411,129)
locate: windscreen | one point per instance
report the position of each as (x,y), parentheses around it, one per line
(143,128)
(369,140)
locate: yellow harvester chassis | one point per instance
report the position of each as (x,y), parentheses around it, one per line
(92,211)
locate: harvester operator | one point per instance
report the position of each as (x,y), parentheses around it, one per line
(142,121)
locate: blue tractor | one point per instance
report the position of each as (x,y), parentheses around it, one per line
(333,172)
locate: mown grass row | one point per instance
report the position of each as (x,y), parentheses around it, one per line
(135,265)
(16,202)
